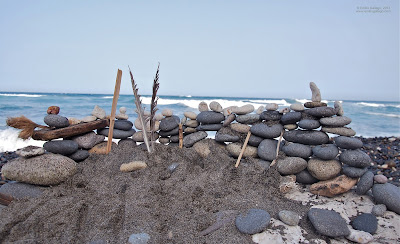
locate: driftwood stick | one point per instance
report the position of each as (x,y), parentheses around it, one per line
(243,148)
(5,199)
(180,135)
(113,109)
(72,130)
(277,149)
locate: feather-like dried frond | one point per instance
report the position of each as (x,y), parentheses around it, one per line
(153,106)
(139,110)
(26,126)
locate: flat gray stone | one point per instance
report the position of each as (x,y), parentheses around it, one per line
(355,158)
(123,125)
(63,147)
(297,150)
(336,121)
(353,172)
(253,221)
(88,140)
(209,127)
(309,124)
(365,183)
(346,142)
(266,131)
(219,137)
(291,118)
(210,117)
(305,177)
(307,137)
(21,190)
(325,151)
(117,134)
(270,115)
(79,155)
(55,120)
(248,118)
(172,132)
(341,131)
(169,123)
(291,165)
(191,139)
(321,112)
(267,149)
(387,194)
(289,217)
(30,151)
(365,222)
(328,222)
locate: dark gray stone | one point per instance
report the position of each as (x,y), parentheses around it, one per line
(174,138)
(55,120)
(219,137)
(321,111)
(255,140)
(297,150)
(346,142)
(117,134)
(365,222)
(291,118)
(326,151)
(387,194)
(21,190)
(209,127)
(336,121)
(365,183)
(191,139)
(270,115)
(353,172)
(248,118)
(291,165)
(328,222)
(79,155)
(267,149)
(64,147)
(253,221)
(210,117)
(266,131)
(308,137)
(123,125)
(355,158)
(169,123)
(309,124)
(379,209)
(305,177)
(172,132)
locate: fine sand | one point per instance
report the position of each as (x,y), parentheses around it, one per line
(101,203)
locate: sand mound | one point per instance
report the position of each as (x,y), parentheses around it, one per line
(101,203)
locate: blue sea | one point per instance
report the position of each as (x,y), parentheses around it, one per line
(369,118)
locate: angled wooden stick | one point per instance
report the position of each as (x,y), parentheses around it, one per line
(243,148)
(277,149)
(180,135)
(113,110)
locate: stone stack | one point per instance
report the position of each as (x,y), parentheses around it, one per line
(169,127)
(122,129)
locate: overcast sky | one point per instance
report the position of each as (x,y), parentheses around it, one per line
(241,48)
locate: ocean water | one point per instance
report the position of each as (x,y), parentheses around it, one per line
(369,118)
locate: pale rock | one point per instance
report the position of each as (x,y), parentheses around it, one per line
(245,109)
(89,118)
(132,166)
(122,116)
(324,169)
(215,106)
(271,107)
(359,236)
(229,110)
(203,107)
(99,112)
(290,126)
(158,117)
(339,108)
(234,149)
(167,112)
(260,110)
(183,120)
(192,123)
(138,136)
(163,140)
(74,121)
(190,115)
(30,151)
(316,94)
(287,183)
(202,149)
(284,110)
(298,107)
(333,187)
(189,130)
(241,128)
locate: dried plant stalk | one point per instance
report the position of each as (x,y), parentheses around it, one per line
(26,126)
(153,108)
(277,148)
(140,110)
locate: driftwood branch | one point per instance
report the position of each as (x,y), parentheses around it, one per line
(26,126)
(113,109)
(140,111)
(153,107)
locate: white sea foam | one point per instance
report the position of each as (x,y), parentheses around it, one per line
(377,105)
(108,97)
(386,115)
(20,95)
(281,102)
(307,100)
(9,140)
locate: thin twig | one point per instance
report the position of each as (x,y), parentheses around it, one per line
(243,148)
(180,135)
(277,149)
(139,110)
(153,107)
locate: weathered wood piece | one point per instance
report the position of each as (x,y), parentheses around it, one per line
(72,130)
(113,109)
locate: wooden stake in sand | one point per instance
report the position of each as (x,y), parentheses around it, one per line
(277,148)
(113,109)
(244,147)
(180,135)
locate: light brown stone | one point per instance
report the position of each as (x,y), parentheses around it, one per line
(53,110)
(333,187)
(234,149)
(202,149)
(287,183)
(241,128)
(101,148)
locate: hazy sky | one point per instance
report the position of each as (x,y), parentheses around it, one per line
(208,48)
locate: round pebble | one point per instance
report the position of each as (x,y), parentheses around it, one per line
(271,107)
(365,222)
(324,169)
(381,179)
(298,107)
(167,112)
(215,106)
(203,107)
(289,217)
(253,221)
(291,165)
(326,151)
(379,209)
